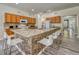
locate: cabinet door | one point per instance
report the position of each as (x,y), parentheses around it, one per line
(18,19)
(33,20)
(58,19)
(53,19)
(29,20)
(7,17)
(13,18)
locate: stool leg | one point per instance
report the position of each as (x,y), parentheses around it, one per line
(19,49)
(10,50)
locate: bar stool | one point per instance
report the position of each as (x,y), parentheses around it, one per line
(56,39)
(47,41)
(55,35)
(14,42)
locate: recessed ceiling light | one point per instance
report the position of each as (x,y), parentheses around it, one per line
(17,3)
(49,10)
(32,9)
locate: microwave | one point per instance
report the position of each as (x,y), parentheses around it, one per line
(23,21)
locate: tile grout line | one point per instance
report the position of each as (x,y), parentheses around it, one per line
(70,49)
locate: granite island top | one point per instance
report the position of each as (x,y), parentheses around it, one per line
(31,32)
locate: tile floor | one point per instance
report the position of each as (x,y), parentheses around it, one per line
(68,47)
(1,47)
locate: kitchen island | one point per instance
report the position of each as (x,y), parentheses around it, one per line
(32,36)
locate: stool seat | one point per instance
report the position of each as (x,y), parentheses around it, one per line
(55,37)
(46,42)
(16,41)
(13,42)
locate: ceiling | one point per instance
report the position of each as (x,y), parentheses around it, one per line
(41,7)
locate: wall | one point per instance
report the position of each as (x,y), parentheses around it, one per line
(70,12)
(66,12)
(3,10)
(78,24)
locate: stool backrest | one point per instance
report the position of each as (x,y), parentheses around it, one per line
(7,38)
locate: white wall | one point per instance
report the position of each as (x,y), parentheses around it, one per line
(70,12)
(66,12)
(3,10)
(78,24)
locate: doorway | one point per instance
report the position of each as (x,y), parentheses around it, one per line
(70,26)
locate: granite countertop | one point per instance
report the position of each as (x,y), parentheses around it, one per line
(30,32)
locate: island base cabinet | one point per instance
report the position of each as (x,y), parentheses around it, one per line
(36,48)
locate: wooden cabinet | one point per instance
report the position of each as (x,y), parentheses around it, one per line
(7,17)
(12,18)
(9,32)
(29,20)
(32,20)
(56,19)
(53,19)
(18,19)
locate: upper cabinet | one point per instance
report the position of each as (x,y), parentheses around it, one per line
(7,17)
(55,19)
(32,20)
(12,18)
(18,19)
